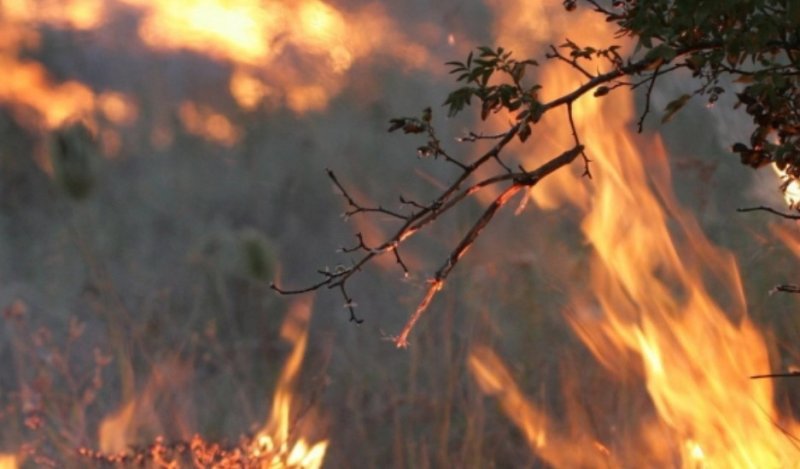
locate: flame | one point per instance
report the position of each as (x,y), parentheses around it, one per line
(274,441)
(78,14)
(297,50)
(669,305)
(282,441)
(124,427)
(557,449)
(204,122)
(28,86)
(8,461)
(227,29)
(117,108)
(289,53)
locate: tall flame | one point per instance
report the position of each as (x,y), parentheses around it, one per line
(276,440)
(669,305)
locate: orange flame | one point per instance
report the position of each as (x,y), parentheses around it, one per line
(8,461)
(78,14)
(204,122)
(275,438)
(671,304)
(299,50)
(281,443)
(124,427)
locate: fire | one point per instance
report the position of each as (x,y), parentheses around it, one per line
(229,29)
(8,461)
(28,86)
(297,50)
(275,438)
(281,443)
(667,305)
(205,122)
(78,14)
(290,53)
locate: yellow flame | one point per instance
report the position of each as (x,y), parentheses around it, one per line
(27,86)
(117,107)
(116,432)
(666,296)
(557,449)
(8,461)
(78,14)
(204,122)
(125,426)
(274,440)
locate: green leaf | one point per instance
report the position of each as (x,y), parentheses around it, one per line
(524,133)
(661,53)
(674,106)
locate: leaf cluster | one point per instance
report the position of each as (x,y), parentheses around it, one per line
(756,43)
(496,80)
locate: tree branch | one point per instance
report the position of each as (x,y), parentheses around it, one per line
(770,210)
(436,284)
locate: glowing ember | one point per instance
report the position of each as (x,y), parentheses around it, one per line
(671,307)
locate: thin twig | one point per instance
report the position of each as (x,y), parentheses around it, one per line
(586,160)
(473,137)
(646,110)
(786,289)
(791,374)
(357,208)
(770,210)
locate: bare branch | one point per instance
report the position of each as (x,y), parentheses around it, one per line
(473,137)
(791,374)
(786,289)
(437,283)
(357,208)
(586,160)
(770,210)
(652,82)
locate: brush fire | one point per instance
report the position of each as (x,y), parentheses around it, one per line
(162,162)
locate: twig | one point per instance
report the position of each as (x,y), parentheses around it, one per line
(770,210)
(472,137)
(357,208)
(586,160)
(646,110)
(786,289)
(791,374)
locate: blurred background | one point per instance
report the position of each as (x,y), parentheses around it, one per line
(162,162)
